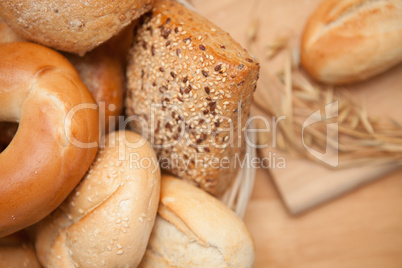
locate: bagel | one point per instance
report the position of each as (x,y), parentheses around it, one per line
(108,218)
(102,70)
(72,26)
(57,137)
(193,85)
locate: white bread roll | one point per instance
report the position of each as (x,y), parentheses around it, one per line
(194,229)
(108,218)
(348,41)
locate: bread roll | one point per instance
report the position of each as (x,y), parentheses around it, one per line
(193,229)
(16,251)
(108,218)
(103,72)
(348,41)
(192,85)
(72,26)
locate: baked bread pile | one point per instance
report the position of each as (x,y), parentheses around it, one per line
(87,190)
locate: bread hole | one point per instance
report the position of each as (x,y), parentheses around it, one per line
(7,132)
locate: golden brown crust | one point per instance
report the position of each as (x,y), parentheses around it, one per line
(71,26)
(44,162)
(108,218)
(103,72)
(201,79)
(194,229)
(349,41)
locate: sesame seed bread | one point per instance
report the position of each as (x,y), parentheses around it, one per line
(351,40)
(194,229)
(72,26)
(190,88)
(108,218)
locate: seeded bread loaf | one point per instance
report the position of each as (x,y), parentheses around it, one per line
(194,229)
(190,88)
(348,41)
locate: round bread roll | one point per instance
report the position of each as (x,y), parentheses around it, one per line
(71,26)
(192,87)
(351,40)
(103,72)
(54,146)
(194,229)
(107,220)
(16,251)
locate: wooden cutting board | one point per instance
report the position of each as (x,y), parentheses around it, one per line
(304,184)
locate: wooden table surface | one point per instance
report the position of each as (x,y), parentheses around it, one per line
(360,229)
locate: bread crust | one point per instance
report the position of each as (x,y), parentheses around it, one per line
(72,26)
(193,84)
(102,70)
(107,220)
(194,229)
(44,162)
(17,251)
(352,40)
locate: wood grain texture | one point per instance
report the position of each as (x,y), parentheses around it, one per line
(360,229)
